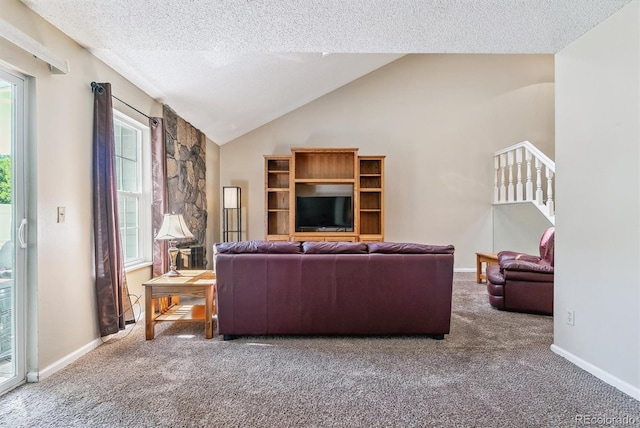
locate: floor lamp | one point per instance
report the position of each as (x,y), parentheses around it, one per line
(231,219)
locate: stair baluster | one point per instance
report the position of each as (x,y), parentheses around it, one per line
(519,195)
(550,205)
(510,167)
(528,157)
(496,189)
(538,181)
(503,187)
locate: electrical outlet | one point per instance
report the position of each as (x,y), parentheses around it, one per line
(61,214)
(571,317)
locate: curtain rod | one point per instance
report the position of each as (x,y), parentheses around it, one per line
(96,87)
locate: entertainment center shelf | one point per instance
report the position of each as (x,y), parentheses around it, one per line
(320,194)
(277,182)
(323,181)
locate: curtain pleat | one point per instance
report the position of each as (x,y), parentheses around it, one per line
(159,192)
(111,285)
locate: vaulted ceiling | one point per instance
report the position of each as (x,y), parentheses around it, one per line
(231,66)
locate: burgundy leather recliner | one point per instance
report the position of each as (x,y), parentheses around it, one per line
(523,282)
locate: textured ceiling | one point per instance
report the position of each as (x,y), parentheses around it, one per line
(220,63)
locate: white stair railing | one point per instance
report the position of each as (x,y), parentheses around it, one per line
(518,161)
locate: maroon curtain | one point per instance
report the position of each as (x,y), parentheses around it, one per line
(159,192)
(111,285)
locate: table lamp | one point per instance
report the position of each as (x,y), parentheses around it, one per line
(173,229)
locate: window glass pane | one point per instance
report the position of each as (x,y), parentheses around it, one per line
(131,246)
(117,134)
(129,175)
(123,243)
(119,173)
(131,215)
(121,208)
(129,144)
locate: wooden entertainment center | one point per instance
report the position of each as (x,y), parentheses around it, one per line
(320,171)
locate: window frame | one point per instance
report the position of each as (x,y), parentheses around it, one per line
(145,235)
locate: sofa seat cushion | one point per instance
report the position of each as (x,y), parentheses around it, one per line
(269,247)
(319,247)
(408,248)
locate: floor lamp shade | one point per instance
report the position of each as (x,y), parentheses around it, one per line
(231,198)
(173,229)
(231,218)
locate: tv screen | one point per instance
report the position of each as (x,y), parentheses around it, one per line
(318,212)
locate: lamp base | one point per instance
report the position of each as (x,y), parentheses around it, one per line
(173,254)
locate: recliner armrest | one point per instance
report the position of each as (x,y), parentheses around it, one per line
(526,266)
(495,275)
(513,255)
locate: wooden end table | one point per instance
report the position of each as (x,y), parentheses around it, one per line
(193,283)
(488,259)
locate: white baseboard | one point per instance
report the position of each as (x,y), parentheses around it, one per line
(606,377)
(465,270)
(38,375)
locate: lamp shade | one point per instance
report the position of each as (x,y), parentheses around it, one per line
(231,197)
(173,228)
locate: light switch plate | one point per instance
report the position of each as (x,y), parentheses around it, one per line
(62,214)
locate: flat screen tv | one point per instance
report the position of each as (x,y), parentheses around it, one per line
(324,212)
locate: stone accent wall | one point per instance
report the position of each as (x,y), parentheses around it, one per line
(186,170)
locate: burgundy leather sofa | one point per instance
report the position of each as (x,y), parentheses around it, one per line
(522,282)
(333,288)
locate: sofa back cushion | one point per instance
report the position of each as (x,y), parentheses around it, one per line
(270,247)
(312,247)
(408,248)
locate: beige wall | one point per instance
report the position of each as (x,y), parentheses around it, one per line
(598,189)
(135,279)
(61,278)
(518,227)
(438,119)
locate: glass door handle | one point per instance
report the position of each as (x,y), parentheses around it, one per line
(21,230)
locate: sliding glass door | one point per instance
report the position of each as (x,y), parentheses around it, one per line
(12,230)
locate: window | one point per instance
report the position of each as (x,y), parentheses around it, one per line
(134,189)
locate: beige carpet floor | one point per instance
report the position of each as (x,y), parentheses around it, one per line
(495,369)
